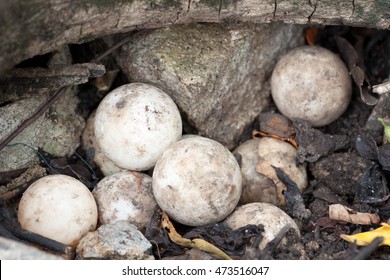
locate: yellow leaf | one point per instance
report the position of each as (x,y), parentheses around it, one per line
(365,238)
(194,243)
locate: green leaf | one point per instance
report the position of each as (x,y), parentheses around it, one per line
(386,124)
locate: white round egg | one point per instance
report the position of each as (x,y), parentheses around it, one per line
(135,123)
(197,181)
(88,140)
(58,207)
(126,196)
(311,83)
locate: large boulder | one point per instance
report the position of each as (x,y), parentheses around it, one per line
(217,75)
(57,132)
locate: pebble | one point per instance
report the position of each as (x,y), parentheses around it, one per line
(119,241)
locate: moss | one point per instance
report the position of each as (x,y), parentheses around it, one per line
(27,13)
(372,16)
(165,4)
(109,3)
(382,5)
(162,4)
(227,3)
(211,3)
(189,48)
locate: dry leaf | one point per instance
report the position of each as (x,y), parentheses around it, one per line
(190,243)
(365,238)
(311,35)
(295,205)
(382,88)
(342,213)
(275,152)
(356,68)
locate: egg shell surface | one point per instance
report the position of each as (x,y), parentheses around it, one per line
(197,181)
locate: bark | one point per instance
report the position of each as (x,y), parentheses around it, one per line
(32,27)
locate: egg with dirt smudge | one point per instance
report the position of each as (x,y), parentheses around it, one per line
(135,123)
(125,195)
(197,181)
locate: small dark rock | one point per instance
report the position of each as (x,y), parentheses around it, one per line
(341,172)
(314,144)
(372,186)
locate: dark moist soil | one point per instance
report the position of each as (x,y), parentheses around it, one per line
(339,172)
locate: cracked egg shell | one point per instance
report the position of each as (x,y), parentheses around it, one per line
(255,186)
(135,123)
(58,207)
(311,83)
(197,181)
(271,217)
(126,196)
(278,153)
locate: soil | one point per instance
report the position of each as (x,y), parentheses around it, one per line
(337,175)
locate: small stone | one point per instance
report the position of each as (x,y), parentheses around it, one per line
(118,241)
(312,246)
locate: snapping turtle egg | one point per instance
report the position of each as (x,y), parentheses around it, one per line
(197,181)
(135,123)
(311,83)
(126,196)
(89,143)
(58,207)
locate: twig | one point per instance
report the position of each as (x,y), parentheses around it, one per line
(295,206)
(271,246)
(112,48)
(34,117)
(13,193)
(369,249)
(11,225)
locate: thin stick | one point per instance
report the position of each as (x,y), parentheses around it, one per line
(34,117)
(112,48)
(10,223)
(369,249)
(13,193)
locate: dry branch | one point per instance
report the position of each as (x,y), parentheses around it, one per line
(32,27)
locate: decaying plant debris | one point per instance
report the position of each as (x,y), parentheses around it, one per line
(348,163)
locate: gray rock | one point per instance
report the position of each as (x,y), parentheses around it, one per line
(217,75)
(118,241)
(13,250)
(57,132)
